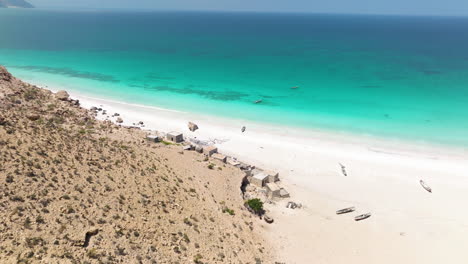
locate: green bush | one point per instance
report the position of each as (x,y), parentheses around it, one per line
(256,205)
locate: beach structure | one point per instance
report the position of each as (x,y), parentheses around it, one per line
(199,149)
(153,138)
(233,162)
(273,190)
(284,193)
(175,137)
(259,179)
(272,176)
(219,157)
(210,150)
(188,147)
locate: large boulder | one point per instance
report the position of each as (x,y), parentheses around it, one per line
(62,95)
(119,120)
(5,75)
(192,126)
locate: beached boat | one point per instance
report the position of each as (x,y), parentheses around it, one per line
(346,210)
(243,129)
(425,186)
(258,101)
(362,217)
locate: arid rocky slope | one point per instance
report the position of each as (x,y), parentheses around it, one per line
(77,190)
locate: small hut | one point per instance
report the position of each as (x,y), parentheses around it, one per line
(273,190)
(175,137)
(219,157)
(152,138)
(272,176)
(259,179)
(210,150)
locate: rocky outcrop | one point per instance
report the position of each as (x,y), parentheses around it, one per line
(192,126)
(5,75)
(62,96)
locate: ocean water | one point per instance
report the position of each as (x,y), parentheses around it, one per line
(386,76)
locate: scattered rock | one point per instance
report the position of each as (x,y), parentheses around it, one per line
(75,102)
(192,126)
(141,123)
(62,95)
(33,117)
(268,219)
(2,121)
(116,114)
(293,205)
(119,120)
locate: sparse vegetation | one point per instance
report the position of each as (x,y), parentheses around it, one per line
(256,205)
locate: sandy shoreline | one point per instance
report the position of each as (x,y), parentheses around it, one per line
(408,224)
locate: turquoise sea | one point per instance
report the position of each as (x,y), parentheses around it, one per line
(388,76)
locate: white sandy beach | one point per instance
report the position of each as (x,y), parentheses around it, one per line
(408,224)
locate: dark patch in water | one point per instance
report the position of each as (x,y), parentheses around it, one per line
(70,73)
(213,95)
(431,72)
(155,76)
(371,86)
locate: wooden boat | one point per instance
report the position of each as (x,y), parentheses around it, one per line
(258,101)
(425,186)
(362,217)
(346,210)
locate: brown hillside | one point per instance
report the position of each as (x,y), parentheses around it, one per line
(77,190)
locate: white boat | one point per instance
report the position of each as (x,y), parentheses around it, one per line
(362,217)
(425,186)
(346,210)
(258,101)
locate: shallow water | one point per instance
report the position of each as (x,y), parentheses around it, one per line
(397,77)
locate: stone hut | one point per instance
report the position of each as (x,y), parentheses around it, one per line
(152,138)
(219,157)
(175,137)
(259,179)
(273,190)
(272,176)
(283,193)
(210,150)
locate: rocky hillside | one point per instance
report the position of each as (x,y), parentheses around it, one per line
(77,190)
(15,3)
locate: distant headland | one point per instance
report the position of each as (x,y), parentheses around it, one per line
(15,4)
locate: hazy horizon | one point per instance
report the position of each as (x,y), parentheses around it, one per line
(378,7)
